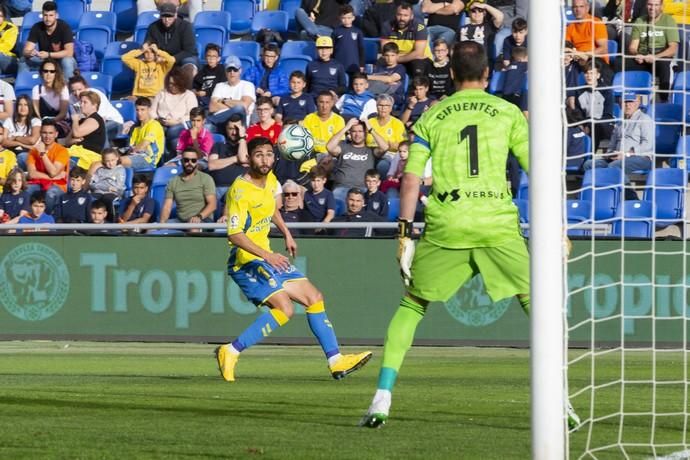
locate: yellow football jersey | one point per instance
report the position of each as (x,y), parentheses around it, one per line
(250,210)
(322,131)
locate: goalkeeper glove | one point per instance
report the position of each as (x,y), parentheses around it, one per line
(405,250)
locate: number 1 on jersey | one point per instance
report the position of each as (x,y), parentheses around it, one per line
(469,132)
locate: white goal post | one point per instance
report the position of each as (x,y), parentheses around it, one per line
(548,388)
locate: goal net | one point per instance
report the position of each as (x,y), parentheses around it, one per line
(624,179)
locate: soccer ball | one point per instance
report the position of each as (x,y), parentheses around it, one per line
(295,143)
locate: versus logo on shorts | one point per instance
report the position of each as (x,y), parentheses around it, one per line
(473,307)
(34,282)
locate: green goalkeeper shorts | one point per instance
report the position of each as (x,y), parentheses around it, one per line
(438,273)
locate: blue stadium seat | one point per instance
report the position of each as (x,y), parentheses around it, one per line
(523,188)
(634,219)
(574,164)
(126,12)
(665,188)
(604,188)
(25,82)
(290,64)
(371,50)
(679,87)
(523,210)
(101,19)
(126,109)
(340,207)
(129,177)
(277,21)
(496,83)
(161,177)
(613,51)
(523,214)
(298,48)
(578,212)
(123,76)
(97,28)
(290,6)
(99,80)
(71,11)
(31,18)
(242,13)
(669,122)
(638,81)
(393,209)
(144,20)
(218,137)
(682,154)
(221,19)
(208,34)
(242,49)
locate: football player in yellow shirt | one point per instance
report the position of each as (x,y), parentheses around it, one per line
(266,277)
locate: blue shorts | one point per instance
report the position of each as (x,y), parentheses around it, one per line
(139,161)
(259,281)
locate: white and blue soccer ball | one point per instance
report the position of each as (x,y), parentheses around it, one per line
(295,143)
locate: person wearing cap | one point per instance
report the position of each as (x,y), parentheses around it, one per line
(174,36)
(631,144)
(325,73)
(187,8)
(231,97)
(318,17)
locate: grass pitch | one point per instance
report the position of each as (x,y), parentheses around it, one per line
(122,401)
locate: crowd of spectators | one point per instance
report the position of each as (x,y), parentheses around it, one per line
(195,110)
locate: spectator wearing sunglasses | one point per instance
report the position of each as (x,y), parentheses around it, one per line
(193,192)
(292,209)
(484,22)
(231,97)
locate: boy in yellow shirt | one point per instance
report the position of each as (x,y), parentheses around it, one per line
(149,71)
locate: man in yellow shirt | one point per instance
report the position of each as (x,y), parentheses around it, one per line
(323,124)
(147,140)
(411,37)
(266,277)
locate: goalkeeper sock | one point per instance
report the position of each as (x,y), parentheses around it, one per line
(399,339)
(262,327)
(524,303)
(322,329)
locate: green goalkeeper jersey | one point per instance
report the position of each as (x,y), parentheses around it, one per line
(468,136)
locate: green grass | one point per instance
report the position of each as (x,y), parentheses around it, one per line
(121,401)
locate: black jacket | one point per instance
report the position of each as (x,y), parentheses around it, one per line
(178,40)
(327,12)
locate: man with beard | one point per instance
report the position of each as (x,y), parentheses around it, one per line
(192,191)
(49,38)
(411,37)
(268,278)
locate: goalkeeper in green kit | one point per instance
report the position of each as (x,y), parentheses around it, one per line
(472,225)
